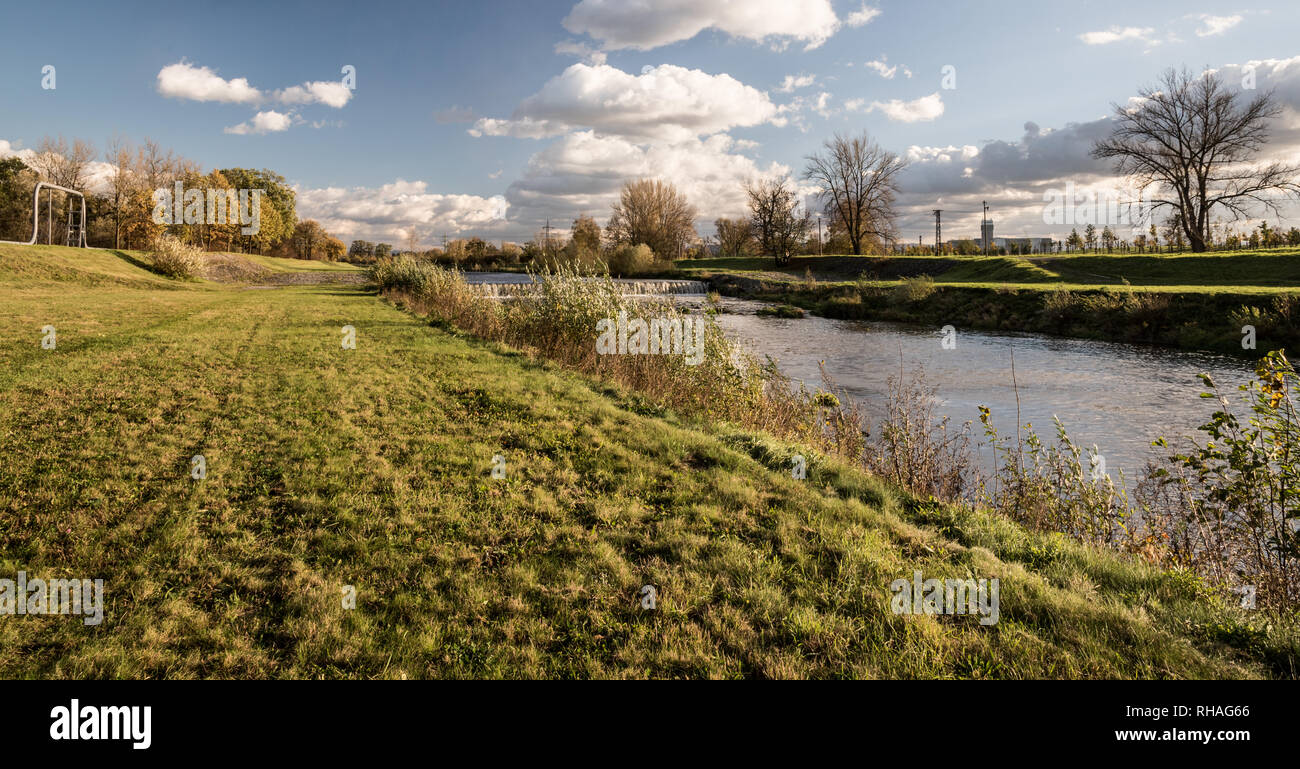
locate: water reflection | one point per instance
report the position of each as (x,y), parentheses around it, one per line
(1117,396)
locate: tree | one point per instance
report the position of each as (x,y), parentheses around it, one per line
(584,242)
(1108,239)
(308,239)
(61,164)
(122,180)
(1194,141)
(1074,242)
(16,184)
(652,212)
(775,218)
(735,238)
(858,182)
(1174,231)
(333,248)
(278,211)
(1090,237)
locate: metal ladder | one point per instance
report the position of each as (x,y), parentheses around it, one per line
(75,228)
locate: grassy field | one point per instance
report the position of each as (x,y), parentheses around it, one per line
(371,468)
(1236,271)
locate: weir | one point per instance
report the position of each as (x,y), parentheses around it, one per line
(506,285)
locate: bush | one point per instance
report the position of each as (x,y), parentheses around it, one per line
(915,289)
(176,259)
(627,260)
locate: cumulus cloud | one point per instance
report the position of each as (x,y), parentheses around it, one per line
(330,93)
(1216,25)
(268,121)
(583,173)
(390,211)
(920,110)
(862,16)
(1118,34)
(183,80)
(668,102)
(9,150)
(649,24)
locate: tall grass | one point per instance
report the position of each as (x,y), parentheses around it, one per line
(557,319)
(175,258)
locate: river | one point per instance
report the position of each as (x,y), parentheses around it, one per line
(1116,396)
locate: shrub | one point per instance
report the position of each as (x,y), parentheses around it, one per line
(627,260)
(1232,505)
(176,259)
(915,289)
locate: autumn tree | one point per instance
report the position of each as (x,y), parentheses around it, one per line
(858,184)
(652,212)
(1196,143)
(308,239)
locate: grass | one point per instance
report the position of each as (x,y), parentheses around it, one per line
(372,468)
(1260,270)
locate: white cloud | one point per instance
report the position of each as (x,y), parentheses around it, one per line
(667,102)
(330,93)
(862,16)
(648,24)
(583,173)
(793,82)
(183,80)
(920,110)
(1117,34)
(1216,25)
(268,121)
(9,150)
(389,212)
(883,69)
(581,50)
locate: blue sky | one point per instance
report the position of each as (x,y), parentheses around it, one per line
(401,153)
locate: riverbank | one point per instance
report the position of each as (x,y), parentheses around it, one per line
(368,472)
(1193,302)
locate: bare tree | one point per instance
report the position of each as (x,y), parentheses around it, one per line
(735,238)
(858,181)
(1194,141)
(652,212)
(156,169)
(61,164)
(122,182)
(775,217)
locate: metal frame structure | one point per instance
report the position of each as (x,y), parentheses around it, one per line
(36,216)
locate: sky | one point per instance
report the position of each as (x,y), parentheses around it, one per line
(490,118)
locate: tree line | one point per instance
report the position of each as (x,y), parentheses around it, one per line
(120,212)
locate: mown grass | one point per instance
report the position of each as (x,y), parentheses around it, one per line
(1260,270)
(372,468)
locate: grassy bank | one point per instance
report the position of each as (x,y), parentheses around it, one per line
(1182,300)
(371,468)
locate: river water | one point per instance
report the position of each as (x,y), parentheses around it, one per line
(1116,396)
